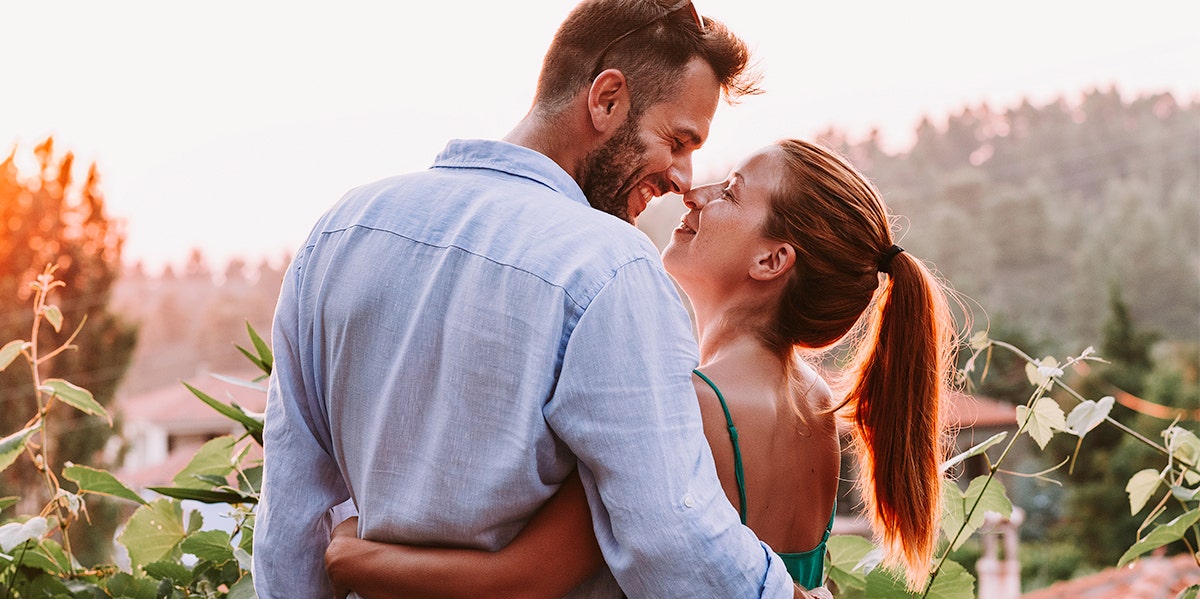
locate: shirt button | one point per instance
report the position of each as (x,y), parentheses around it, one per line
(688,501)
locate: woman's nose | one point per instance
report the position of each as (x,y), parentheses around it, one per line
(698,197)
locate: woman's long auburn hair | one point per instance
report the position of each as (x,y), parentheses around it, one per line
(902,361)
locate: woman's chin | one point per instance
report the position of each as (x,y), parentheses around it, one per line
(669,256)
(674,264)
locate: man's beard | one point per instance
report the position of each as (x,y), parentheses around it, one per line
(603,173)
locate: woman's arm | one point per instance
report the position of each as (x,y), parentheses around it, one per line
(554,553)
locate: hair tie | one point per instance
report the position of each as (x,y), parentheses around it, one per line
(885,263)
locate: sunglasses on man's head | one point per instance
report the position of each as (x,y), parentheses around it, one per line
(677,7)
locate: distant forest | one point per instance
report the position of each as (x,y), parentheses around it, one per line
(1039,212)
(1036,213)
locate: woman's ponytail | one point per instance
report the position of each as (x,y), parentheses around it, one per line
(902,357)
(899,379)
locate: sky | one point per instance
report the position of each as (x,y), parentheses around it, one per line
(231,126)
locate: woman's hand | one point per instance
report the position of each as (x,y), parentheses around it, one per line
(335,554)
(817,593)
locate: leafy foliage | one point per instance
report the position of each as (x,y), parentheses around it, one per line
(854,564)
(51,217)
(170,552)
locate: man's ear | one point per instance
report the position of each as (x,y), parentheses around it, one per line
(608,100)
(773,261)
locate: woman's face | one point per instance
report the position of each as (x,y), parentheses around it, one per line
(719,237)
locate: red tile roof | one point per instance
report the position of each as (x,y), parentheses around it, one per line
(1147,578)
(175,409)
(174,406)
(970,411)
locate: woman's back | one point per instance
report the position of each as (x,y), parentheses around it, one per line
(789,450)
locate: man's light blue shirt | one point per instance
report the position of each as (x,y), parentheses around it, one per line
(449,344)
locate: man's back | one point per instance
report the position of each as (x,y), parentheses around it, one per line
(437,422)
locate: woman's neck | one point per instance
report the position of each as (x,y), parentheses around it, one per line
(731,331)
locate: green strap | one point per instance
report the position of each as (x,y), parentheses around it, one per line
(737,452)
(829,527)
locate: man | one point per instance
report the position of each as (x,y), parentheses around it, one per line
(450,345)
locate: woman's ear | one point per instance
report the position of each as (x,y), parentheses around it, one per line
(774,261)
(608,100)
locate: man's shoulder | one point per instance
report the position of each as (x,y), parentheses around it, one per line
(505,219)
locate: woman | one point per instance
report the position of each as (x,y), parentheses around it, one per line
(792,253)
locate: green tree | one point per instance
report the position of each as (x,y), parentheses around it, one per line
(50,218)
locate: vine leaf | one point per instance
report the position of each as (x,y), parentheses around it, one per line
(77,397)
(214,458)
(48,556)
(956,503)
(846,552)
(1141,487)
(169,571)
(244,559)
(212,545)
(101,482)
(206,477)
(1088,415)
(1167,533)
(205,495)
(243,588)
(1184,445)
(12,445)
(1183,493)
(53,316)
(154,532)
(974,451)
(1042,372)
(265,360)
(1043,419)
(10,351)
(15,533)
(952,582)
(253,422)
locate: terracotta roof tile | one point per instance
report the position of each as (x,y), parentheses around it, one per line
(174,405)
(1146,578)
(968,411)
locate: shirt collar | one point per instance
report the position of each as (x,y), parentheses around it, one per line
(512,159)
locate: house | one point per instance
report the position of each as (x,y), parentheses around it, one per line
(164,427)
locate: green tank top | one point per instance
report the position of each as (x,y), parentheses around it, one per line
(807,568)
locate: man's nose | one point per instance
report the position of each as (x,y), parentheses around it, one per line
(680,175)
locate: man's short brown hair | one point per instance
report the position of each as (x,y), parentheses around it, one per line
(656,47)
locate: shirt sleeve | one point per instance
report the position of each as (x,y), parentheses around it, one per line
(301,480)
(625,405)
